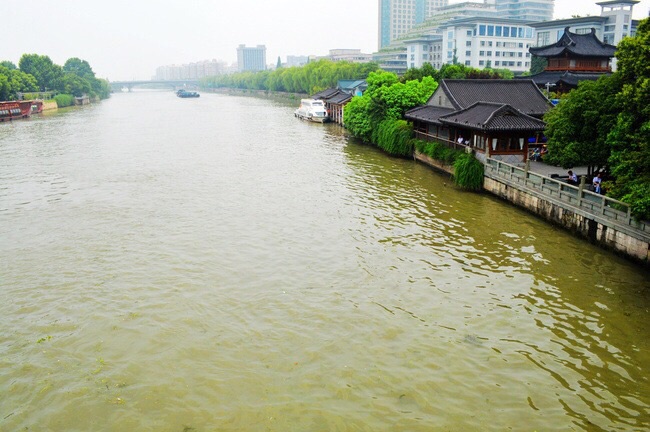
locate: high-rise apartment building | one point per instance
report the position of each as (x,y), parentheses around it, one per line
(251,58)
(396,17)
(529,10)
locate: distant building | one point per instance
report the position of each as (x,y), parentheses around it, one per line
(191,71)
(351,55)
(493,33)
(614,23)
(293,60)
(251,58)
(396,17)
(529,10)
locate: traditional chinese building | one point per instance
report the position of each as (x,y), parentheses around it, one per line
(573,58)
(495,118)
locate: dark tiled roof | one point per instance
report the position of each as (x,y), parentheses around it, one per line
(427,113)
(524,95)
(570,78)
(339,98)
(325,94)
(491,117)
(583,45)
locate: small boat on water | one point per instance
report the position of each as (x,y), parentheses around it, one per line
(187,94)
(14,110)
(313,110)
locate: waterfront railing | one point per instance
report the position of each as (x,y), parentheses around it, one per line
(575,198)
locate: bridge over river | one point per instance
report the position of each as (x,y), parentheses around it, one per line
(173,84)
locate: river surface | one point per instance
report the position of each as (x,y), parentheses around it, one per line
(216,264)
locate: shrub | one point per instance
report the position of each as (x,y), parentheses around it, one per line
(64,100)
(438,151)
(468,172)
(394,137)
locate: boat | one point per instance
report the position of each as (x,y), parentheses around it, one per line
(313,110)
(187,94)
(13,110)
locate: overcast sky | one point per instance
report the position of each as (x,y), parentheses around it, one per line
(129,39)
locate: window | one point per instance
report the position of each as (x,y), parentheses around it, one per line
(482,43)
(506,31)
(513,32)
(469,33)
(490,30)
(543,38)
(481,30)
(468,43)
(468,63)
(489,53)
(481,53)
(499,30)
(481,63)
(468,53)
(497,63)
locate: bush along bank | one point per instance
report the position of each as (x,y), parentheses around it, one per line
(64,100)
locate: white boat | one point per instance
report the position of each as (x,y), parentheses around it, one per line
(312,109)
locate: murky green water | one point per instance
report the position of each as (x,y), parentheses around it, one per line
(176,265)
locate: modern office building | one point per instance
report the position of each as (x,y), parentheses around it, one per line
(475,42)
(396,17)
(529,10)
(295,60)
(251,59)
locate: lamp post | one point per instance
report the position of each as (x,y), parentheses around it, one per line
(548,89)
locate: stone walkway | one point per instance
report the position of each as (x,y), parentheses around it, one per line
(548,170)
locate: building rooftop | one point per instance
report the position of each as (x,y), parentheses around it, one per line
(583,45)
(492,116)
(523,95)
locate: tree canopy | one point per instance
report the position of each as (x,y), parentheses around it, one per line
(578,126)
(38,73)
(630,137)
(308,79)
(385,99)
(607,124)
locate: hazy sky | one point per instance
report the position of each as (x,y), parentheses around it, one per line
(129,39)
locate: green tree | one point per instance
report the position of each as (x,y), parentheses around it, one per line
(9,65)
(13,81)
(49,76)
(630,137)
(537,65)
(577,127)
(279,63)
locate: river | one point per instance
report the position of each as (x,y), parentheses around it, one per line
(216,264)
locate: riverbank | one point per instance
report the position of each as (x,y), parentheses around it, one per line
(588,216)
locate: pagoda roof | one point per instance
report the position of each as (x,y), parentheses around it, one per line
(582,45)
(339,98)
(327,93)
(494,117)
(570,78)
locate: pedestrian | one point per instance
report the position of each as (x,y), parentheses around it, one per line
(573,179)
(597,182)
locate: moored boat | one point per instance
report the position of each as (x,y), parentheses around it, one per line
(13,110)
(313,110)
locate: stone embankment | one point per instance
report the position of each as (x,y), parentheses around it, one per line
(594,217)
